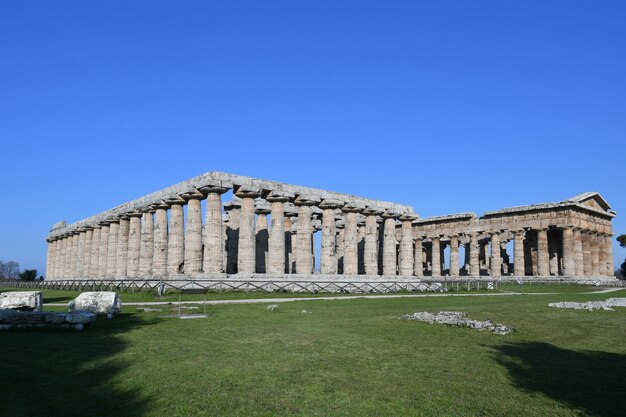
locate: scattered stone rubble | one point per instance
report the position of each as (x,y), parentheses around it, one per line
(23,310)
(21,300)
(592,305)
(458,318)
(98,302)
(273,308)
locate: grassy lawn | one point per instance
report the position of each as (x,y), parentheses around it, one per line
(343,358)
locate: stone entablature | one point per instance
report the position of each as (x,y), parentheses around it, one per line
(268,227)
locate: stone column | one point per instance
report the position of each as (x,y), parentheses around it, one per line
(57,257)
(454,256)
(103,257)
(543,261)
(276,244)
(569,261)
(291,214)
(370,251)
(436,256)
(176,238)
(159,260)
(579,262)
(595,254)
(134,245)
(95,252)
(304,257)
(87,253)
(389,244)
(328,261)
(73,266)
(406,264)
(146,252)
(351,241)
(419,258)
(192,254)
(214,243)
(67,256)
(608,254)
(585,236)
(261,233)
(233,210)
(495,259)
(49,260)
(340,226)
(80,256)
(519,265)
(63,254)
(474,250)
(121,262)
(246,256)
(114,228)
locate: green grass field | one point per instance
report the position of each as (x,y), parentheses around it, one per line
(343,358)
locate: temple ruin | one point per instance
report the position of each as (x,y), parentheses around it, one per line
(156,236)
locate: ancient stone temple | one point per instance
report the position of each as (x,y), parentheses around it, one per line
(269,229)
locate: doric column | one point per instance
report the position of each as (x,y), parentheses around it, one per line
(608,254)
(389,243)
(62,259)
(103,257)
(159,260)
(454,256)
(340,226)
(49,260)
(214,244)
(579,262)
(569,261)
(114,228)
(87,253)
(246,257)
(474,250)
(233,211)
(75,255)
(291,214)
(80,255)
(146,252)
(95,252)
(304,257)
(134,244)
(370,251)
(262,208)
(57,258)
(176,238)
(121,259)
(351,241)
(585,236)
(69,259)
(192,254)
(436,256)
(519,265)
(406,264)
(595,254)
(543,261)
(496,259)
(328,261)
(419,257)
(67,255)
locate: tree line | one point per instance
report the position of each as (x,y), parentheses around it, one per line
(11,270)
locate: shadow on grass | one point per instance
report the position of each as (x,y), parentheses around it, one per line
(56,372)
(591,381)
(61,299)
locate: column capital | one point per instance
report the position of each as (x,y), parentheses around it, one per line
(213,187)
(307,200)
(193,195)
(247,192)
(352,208)
(290,210)
(262,207)
(390,215)
(159,205)
(407,217)
(330,203)
(372,211)
(232,204)
(134,214)
(279,196)
(175,200)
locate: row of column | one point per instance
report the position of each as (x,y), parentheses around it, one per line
(582,253)
(143,244)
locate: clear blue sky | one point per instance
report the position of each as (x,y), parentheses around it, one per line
(445,105)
